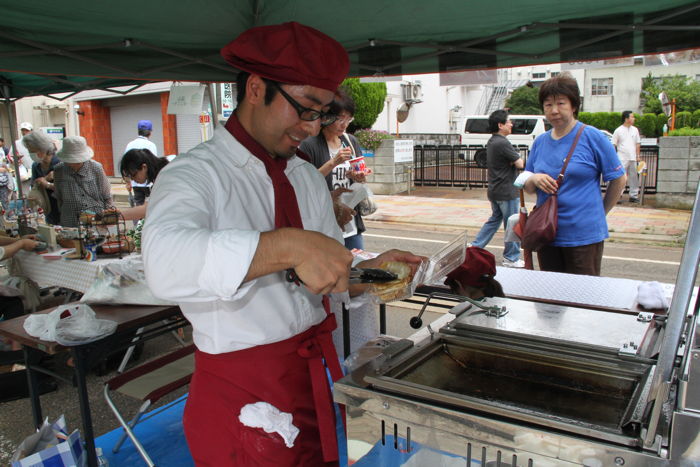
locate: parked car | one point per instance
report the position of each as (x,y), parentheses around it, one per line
(525,129)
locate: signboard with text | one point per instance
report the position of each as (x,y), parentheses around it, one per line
(403,150)
(227,105)
(185,100)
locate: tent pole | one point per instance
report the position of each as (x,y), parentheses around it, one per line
(13,136)
(212,103)
(21,220)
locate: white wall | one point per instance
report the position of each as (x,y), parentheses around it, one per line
(627,84)
(434,114)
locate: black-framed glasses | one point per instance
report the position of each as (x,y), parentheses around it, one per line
(306,113)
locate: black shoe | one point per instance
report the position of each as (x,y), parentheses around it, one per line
(634,200)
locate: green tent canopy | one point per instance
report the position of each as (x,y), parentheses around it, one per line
(72,45)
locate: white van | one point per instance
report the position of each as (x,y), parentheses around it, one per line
(525,129)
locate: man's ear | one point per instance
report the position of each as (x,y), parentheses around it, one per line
(255,89)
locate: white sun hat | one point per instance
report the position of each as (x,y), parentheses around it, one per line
(75,150)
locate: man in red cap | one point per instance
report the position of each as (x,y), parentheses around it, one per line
(225,223)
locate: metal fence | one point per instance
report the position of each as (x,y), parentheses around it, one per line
(446,165)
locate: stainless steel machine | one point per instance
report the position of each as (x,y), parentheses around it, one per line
(521,383)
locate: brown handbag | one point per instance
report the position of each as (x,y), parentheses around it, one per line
(541,226)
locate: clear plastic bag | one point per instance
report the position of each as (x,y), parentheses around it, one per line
(69,325)
(438,265)
(122,283)
(82,326)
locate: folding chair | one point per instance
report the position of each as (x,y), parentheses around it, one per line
(148,383)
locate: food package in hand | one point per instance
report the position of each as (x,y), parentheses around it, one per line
(432,271)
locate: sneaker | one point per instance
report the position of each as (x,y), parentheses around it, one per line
(634,200)
(513,264)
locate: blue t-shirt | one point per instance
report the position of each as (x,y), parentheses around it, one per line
(581,211)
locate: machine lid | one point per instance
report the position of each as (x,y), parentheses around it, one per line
(578,327)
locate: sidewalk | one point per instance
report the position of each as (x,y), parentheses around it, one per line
(451,208)
(436,208)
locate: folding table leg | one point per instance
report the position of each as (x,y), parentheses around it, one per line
(33,383)
(80,360)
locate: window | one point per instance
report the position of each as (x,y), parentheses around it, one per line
(555,73)
(601,86)
(539,75)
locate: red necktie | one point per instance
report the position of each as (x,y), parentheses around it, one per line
(286,207)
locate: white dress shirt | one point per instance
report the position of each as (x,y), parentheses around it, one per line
(625,140)
(204,220)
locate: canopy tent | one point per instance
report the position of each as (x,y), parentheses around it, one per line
(54,47)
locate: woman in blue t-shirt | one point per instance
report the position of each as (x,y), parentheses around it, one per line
(582,227)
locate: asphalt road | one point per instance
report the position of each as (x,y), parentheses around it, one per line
(640,262)
(623,260)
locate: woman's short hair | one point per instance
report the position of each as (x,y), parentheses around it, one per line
(562,85)
(342,102)
(133,159)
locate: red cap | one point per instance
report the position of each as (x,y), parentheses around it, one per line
(477,264)
(290,53)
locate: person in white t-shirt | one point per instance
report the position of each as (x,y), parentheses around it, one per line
(628,144)
(141,190)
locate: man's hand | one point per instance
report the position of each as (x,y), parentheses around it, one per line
(322,264)
(335,194)
(343,213)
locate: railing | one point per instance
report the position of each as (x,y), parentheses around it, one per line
(446,165)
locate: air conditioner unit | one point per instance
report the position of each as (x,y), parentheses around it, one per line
(412,93)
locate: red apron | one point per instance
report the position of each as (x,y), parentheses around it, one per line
(290,375)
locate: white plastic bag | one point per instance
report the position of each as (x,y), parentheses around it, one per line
(42,325)
(82,326)
(79,325)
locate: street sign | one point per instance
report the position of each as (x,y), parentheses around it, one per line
(226,99)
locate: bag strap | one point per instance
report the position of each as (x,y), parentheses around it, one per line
(560,178)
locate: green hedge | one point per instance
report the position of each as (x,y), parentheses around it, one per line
(650,125)
(647,125)
(685,132)
(684,119)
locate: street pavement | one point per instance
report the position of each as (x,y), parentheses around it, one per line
(433,208)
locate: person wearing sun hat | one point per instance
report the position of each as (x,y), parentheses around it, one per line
(231,217)
(43,150)
(80,183)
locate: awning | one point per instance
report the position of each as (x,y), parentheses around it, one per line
(51,47)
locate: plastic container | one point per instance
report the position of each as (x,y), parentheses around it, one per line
(436,267)
(358,164)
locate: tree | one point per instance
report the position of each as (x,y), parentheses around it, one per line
(685,90)
(524,101)
(369,101)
